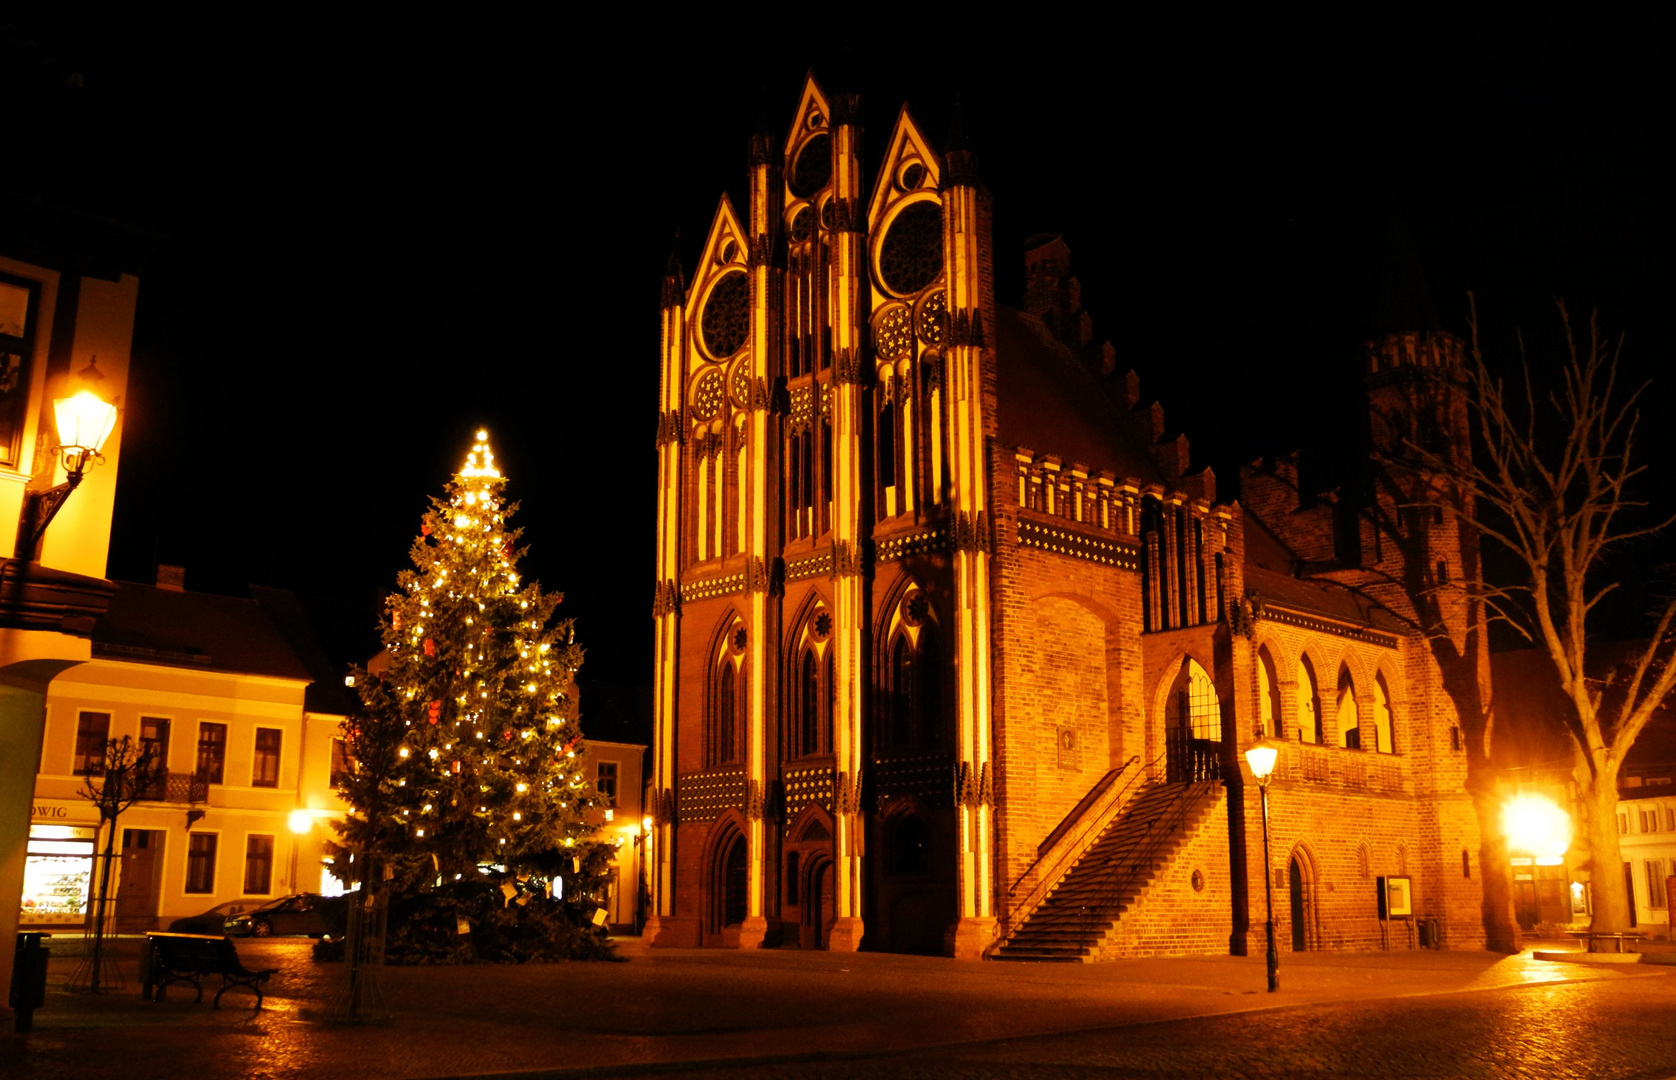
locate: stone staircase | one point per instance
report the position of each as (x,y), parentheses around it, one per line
(1112,874)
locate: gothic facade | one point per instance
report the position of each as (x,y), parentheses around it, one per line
(954,654)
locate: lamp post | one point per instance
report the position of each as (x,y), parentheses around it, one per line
(300,822)
(84,422)
(1261,758)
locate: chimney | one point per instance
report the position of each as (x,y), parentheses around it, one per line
(172,578)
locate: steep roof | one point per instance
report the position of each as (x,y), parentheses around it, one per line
(148,625)
(326,636)
(1049,401)
(1323,598)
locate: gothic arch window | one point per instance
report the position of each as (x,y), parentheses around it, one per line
(726,718)
(1309,703)
(912,696)
(1383,725)
(1192,703)
(1346,721)
(808,729)
(1268,695)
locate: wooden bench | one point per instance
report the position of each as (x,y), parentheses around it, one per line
(189,957)
(1594,940)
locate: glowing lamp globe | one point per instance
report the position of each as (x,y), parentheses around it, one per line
(1537,827)
(84,422)
(1261,757)
(301,821)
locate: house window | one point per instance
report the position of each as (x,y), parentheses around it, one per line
(1655,883)
(1670,819)
(258,865)
(200,863)
(212,752)
(1384,739)
(1649,821)
(607,782)
(1309,703)
(1623,823)
(1348,719)
(154,733)
(341,766)
(265,772)
(92,731)
(17,331)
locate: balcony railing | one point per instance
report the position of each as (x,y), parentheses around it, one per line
(179,787)
(1189,760)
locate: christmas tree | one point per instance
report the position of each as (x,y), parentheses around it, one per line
(467,749)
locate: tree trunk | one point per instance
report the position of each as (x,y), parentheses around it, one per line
(1606,862)
(1495,872)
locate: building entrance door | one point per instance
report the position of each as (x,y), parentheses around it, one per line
(141,881)
(1300,905)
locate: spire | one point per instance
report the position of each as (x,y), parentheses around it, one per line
(1403,303)
(846,101)
(674,280)
(957,150)
(762,140)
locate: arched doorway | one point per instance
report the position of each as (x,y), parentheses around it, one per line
(1301,892)
(730,882)
(1192,726)
(820,908)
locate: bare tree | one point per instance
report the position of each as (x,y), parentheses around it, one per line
(128,771)
(1552,484)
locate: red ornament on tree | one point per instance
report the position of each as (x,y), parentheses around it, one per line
(435,709)
(430,647)
(425,529)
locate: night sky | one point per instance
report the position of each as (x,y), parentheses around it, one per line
(381,236)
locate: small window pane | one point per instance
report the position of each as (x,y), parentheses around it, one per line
(265,772)
(92,730)
(258,865)
(200,863)
(607,782)
(212,752)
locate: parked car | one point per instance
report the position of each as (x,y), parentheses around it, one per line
(213,921)
(303,913)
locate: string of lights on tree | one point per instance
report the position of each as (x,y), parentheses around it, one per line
(469,747)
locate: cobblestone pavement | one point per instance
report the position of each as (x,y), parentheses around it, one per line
(871,1015)
(1605,1030)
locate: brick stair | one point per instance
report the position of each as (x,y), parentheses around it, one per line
(1070,924)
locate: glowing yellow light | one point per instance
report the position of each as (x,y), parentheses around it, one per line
(84,422)
(568,842)
(1537,827)
(523,787)
(402,752)
(300,821)
(516,816)
(646,823)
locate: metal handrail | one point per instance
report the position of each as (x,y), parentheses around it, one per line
(1100,787)
(1144,858)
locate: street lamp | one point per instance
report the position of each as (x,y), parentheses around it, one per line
(1261,758)
(84,422)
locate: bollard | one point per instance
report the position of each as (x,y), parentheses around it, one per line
(29,979)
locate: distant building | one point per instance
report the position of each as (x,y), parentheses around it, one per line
(250,738)
(1534,755)
(616,722)
(948,632)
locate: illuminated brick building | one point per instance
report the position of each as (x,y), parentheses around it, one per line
(954,654)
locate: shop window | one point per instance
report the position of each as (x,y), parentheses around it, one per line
(258,865)
(212,752)
(200,862)
(265,772)
(606,782)
(92,731)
